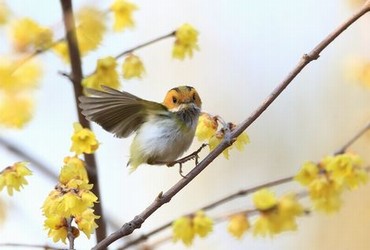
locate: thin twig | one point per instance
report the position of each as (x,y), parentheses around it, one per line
(129,227)
(45,247)
(353,139)
(74,55)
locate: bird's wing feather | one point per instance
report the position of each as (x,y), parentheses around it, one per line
(118,112)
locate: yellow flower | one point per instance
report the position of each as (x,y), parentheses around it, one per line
(186,41)
(16,76)
(216,139)
(238,225)
(57,226)
(359,71)
(83,140)
(74,168)
(15,111)
(89,31)
(105,74)
(264,199)
(27,34)
(122,10)
(207,127)
(13,177)
(325,194)
(278,218)
(182,229)
(308,172)
(241,141)
(4,13)
(86,222)
(345,169)
(202,224)
(132,67)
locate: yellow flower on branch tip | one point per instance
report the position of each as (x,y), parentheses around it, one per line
(132,67)
(28,34)
(15,111)
(16,76)
(13,177)
(57,226)
(105,74)
(83,140)
(202,224)
(4,13)
(264,199)
(308,172)
(238,225)
(182,229)
(122,11)
(207,127)
(74,169)
(186,41)
(86,222)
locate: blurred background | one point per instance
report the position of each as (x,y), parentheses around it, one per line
(246,48)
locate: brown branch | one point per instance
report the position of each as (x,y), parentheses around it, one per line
(353,139)
(129,227)
(76,75)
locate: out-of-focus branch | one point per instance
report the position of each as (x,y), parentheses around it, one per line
(46,247)
(76,75)
(129,227)
(244,192)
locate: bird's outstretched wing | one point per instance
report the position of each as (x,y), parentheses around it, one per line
(118,112)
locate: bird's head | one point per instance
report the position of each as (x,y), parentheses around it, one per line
(182,98)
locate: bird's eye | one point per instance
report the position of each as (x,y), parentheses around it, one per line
(194,97)
(174,99)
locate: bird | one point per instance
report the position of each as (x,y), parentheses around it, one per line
(163,131)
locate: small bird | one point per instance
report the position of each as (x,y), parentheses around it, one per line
(164,131)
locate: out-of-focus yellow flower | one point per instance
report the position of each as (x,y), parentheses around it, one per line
(105,74)
(183,230)
(356,3)
(13,177)
(345,169)
(123,10)
(89,31)
(307,173)
(86,222)
(74,169)
(238,225)
(57,227)
(278,218)
(325,194)
(15,111)
(264,199)
(207,127)
(4,12)
(202,224)
(16,76)
(358,70)
(132,67)
(186,41)
(27,34)
(83,140)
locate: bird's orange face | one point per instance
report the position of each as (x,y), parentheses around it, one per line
(180,97)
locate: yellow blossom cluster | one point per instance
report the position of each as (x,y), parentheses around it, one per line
(72,200)
(327,180)
(27,35)
(238,225)
(186,41)
(18,80)
(13,177)
(207,129)
(123,10)
(83,140)
(90,31)
(275,215)
(186,228)
(105,74)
